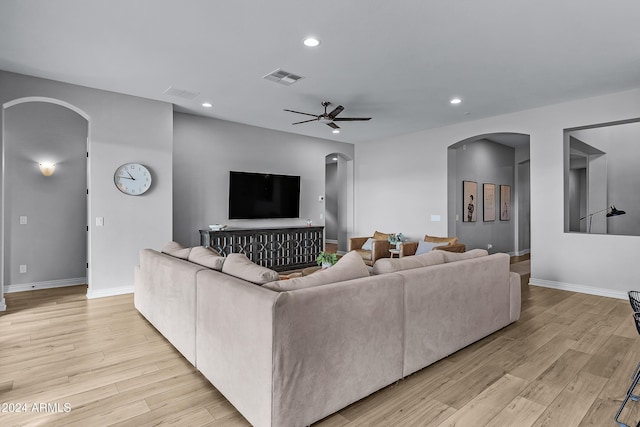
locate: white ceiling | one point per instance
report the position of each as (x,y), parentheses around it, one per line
(398,62)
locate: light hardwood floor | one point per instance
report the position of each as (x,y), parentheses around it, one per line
(566,362)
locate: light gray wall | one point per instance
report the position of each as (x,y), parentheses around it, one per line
(603,264)
(484,161)
(206,149)
(331,200)
(53,243)
(121,129)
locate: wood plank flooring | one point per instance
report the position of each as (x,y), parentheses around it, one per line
(566,362)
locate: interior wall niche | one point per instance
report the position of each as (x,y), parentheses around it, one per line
(600,174)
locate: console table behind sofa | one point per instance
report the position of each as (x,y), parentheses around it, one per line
(285,248)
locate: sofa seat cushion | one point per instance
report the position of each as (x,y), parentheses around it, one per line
(206,257)
(390,265)
(457,256)
(238,265)
(175,249)
(364,254)
(349,267)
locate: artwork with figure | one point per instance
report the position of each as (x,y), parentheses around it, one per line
(505,202)
(469,200)
(489,202)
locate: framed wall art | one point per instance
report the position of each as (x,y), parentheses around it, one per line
(488,202)
(469,201)
(505,202)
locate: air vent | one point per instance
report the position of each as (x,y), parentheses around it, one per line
(283,77)
(180,93)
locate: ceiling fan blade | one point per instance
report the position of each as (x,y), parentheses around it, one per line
(351,119)
(333,125)
(305,121)
(336,111)
(299,112)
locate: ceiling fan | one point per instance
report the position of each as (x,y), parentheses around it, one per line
(328,118)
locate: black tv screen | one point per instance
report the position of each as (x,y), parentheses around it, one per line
(260,195)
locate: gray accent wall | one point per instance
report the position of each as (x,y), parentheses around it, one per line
(122,129)
(206,149)
(484,161)
(53,242)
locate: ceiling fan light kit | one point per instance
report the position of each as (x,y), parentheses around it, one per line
(328,118)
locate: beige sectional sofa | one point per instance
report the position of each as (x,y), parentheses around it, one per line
(293,357)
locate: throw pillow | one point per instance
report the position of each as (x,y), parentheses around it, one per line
(390,265)
(349,267)
(206,257)
(368,245)
(455,256)
(424,247)
(238,265)
(175,249)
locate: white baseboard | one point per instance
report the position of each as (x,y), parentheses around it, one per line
(522,252)
(335,242)
(3,305)
(579,288)
(91,294)
(49,284)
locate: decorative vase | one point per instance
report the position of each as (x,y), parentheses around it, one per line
(326,265)
(398,244)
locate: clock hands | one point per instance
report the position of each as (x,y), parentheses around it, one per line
(130,176)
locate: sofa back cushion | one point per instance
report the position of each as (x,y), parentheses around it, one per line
(443,240)
(206,257)
(456,256)
(175,249)
(350,266)
(390,265)
(238,265)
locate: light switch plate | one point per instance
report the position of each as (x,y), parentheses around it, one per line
(99,221)
(23,220)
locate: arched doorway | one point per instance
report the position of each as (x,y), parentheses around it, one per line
(44,218)
(496,166)
(338,200)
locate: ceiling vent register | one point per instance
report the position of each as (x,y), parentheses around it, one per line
(283,77)
(180,93)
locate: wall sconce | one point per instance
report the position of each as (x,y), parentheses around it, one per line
(47,168)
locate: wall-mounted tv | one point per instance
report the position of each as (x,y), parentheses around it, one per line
(261,196)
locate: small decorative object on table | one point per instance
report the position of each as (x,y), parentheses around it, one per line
(217,227)
(326,259)
(396,239)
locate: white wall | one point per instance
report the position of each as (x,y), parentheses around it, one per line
(121,129)
(206,149)
(402,198)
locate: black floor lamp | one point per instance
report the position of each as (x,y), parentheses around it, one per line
(611,211)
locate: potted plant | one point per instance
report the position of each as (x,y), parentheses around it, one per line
(327,259)
(396,239)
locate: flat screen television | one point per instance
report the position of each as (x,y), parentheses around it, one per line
(261,196)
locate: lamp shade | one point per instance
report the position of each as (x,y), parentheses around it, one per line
(47,168)
(614,212)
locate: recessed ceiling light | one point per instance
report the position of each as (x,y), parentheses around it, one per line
(207,104)
(335,131)
(311,42)
(455,100)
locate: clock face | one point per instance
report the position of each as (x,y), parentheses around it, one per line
(132,178)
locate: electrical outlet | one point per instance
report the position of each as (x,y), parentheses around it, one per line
(23,220)
(489,246)
(23,268)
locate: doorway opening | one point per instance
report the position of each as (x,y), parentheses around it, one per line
(45,238)
(338,216)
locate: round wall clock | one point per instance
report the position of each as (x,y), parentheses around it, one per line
(132,178)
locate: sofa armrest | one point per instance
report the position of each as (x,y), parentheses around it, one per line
(458,247)
(408,249)
(379,249)
(357,242)
(515,296)
(234,335)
